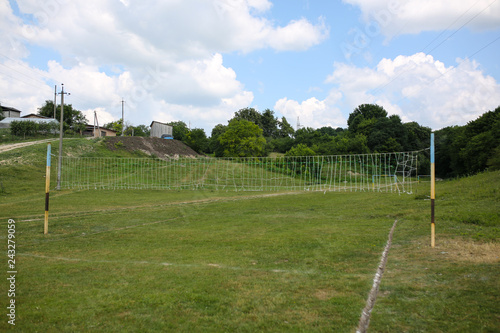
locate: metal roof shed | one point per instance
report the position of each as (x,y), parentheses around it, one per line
(160,129)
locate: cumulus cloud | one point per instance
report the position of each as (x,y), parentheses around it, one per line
(138,31)
(103,117)
(11,42)
(163,58)
(312,112)
(146,94)
(413,16)
(419,88)
(24,86)
(298,35)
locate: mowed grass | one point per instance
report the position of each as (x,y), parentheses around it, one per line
(201,261)
(252,262)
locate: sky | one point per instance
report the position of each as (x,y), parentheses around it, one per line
(313,62)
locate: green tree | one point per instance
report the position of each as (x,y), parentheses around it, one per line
(179,130)
(242,138)
(419,137)
(141,130)
(300,150)
(468,149)
(446,151)
(281,145)
(73,118)
(283,138)
(383,133)
(480,139)
(197,140)
(24,128)
(364,112)
(307,136)
(285,129)
(269,124)
(214,143)
(386,134)
(494,160)
(477,151)
(358,145)
(116,126)
(327,130)
(249,114)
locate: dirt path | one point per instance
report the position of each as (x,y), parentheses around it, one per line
(7,147)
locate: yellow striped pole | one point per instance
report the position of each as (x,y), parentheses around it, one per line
(47,189)
(433,192)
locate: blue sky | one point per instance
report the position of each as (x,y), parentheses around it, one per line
(199,61)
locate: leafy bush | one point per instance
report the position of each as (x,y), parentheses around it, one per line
(32,128)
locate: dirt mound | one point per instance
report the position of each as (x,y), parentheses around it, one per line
(163,148)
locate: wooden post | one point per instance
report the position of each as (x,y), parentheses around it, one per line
(47,189)
(433,192)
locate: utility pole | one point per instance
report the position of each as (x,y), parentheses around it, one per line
(96,120)
(59,164)
(55,102)
(123,119)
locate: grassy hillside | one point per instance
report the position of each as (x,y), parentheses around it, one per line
(198,261)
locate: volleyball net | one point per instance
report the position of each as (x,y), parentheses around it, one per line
(386,172)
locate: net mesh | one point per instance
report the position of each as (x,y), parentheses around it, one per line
(388,172)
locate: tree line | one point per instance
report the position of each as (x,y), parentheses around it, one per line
(460,150)
(251,133)
(469,149)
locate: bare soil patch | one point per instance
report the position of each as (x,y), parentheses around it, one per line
(162,148)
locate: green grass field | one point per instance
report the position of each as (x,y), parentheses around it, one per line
(217,261)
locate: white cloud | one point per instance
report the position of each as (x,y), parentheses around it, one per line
(298,35)
(312,112)
(12,43)
(139,32)
(23,86)
(164,58)
(419,88)
(413,16)
(103,117)
(209,94)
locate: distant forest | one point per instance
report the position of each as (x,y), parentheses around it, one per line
(460,150)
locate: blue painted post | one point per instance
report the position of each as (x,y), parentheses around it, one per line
(433,192)
(47,189)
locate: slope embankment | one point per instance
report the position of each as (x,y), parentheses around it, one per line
(162,148)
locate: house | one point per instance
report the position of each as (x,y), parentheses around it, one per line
(94,131)
(9,112)
(35,116)
(12,114)
(161,130)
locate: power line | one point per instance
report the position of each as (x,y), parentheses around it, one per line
(484,47)
(463,25)
(23,74)
(20,63)
(481,49)
(18,79)
(447,28)
(451,68)
(381,87)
